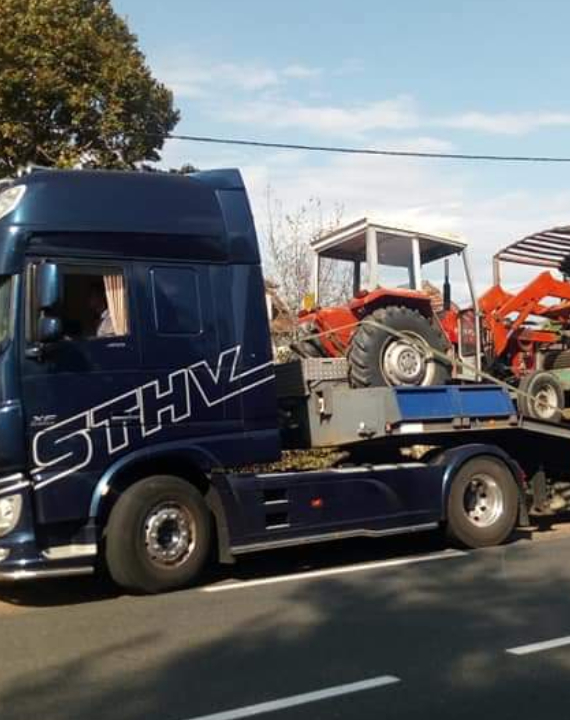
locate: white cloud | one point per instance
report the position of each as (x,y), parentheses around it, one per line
(436,197)
(256,92)
(414,193)
(395,114)
(505,123)
(404,191)
(193,80)
(398,113)
(429,195)
(301,71)
(190,77)
(392,191)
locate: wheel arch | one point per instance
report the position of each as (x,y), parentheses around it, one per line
(193,465)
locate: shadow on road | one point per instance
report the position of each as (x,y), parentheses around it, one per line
(89,589)
(544,526)
(56,592)
(442,629)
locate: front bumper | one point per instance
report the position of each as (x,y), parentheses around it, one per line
(22,557)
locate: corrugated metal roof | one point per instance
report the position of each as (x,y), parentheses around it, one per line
(547,248)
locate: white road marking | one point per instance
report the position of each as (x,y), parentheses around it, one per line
(540,646)
(445,555)
(294,700)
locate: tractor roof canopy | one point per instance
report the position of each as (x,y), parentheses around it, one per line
(393,247)
(547,248)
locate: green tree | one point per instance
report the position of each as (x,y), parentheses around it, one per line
(74,87)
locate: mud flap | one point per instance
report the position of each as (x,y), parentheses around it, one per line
(540,499)
(524,520)
(222,545)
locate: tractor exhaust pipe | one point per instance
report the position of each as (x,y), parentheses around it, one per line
(446,287)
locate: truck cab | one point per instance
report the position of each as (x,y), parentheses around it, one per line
(132,326)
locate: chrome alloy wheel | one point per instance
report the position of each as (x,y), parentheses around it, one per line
(169,534)
(483,501)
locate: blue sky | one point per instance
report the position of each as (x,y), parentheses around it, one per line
(470,76)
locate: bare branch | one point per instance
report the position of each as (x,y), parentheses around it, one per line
(289,263)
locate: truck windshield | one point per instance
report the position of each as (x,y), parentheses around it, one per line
(5,309)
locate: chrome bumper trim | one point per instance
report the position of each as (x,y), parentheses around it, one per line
(270,544)
(67,552)
(16,575)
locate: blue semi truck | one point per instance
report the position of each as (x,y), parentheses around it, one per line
(138,389)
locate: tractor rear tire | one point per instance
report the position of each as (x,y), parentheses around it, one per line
(541,396)
(378,358)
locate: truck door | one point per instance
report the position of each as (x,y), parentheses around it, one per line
(201,327)
(95,361)
(181,343)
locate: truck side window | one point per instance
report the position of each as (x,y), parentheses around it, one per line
(94,302)
(176,301)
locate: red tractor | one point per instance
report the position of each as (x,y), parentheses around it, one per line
(399,336)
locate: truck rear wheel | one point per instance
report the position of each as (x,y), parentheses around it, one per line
(158,535)
(380,358)
(482,506)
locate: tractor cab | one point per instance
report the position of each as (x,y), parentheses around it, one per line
(397,328)
(527,330)
(376,247)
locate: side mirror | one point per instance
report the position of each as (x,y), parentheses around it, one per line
(48,286)
(49,329)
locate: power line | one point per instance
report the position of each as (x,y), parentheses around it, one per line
(371,151)
(336,148)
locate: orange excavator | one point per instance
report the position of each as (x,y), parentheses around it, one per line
(397,335)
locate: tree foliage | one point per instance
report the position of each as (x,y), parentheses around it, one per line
(74,87)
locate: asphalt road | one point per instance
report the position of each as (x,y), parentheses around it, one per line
(399,629)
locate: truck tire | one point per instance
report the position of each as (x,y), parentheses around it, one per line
(378,358)
(542,396)
(158,535)
(483,504)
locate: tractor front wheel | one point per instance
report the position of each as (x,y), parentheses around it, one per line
(541,396)
(379,357)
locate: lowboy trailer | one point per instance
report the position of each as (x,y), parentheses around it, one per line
(136,368)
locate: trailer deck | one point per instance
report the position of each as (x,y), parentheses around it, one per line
(320,410)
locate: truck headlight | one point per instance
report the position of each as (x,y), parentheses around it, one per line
(10,199)
(10,511)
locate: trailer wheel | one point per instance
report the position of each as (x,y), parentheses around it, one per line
(380,358)
(542,396)
(158,535)
(483,503)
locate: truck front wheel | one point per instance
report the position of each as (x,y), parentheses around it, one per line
(158,536)
(483,503)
